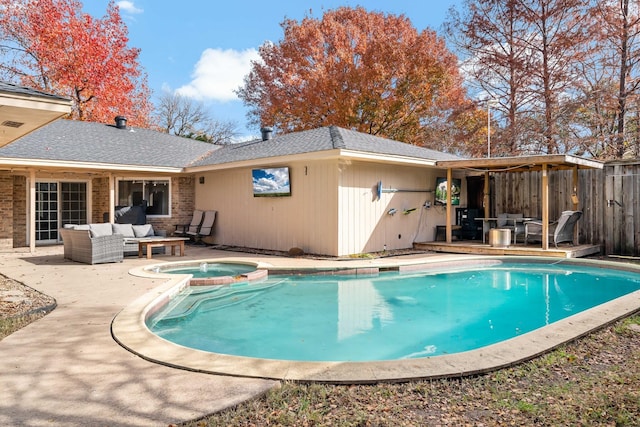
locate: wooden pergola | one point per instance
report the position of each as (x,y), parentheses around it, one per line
(543,163)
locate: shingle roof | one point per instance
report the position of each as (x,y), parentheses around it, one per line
(320,139)
(7,87)
(76,141)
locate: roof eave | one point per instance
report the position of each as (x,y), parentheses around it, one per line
(558,161)
(12,163)
(316,155)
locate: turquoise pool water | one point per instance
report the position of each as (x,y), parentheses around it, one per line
(211,269)
(387,317)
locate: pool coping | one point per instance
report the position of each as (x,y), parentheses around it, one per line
(129,330)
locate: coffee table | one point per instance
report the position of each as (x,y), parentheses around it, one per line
(149,244)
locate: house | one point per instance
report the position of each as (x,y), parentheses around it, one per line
(344,192)
(23,110)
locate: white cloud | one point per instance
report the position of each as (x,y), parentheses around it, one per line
(128,7)
(218,73)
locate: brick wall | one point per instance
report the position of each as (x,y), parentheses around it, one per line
(6,212)
(182,204)
(13,207)
(100,199)
(19,211)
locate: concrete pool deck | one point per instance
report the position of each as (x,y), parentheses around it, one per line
(66,369)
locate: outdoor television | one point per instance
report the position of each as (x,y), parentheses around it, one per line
(271,182)
(441,191)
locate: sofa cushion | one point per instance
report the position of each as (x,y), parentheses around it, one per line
(145,230)
(81,227)
(98,230)
(126,230)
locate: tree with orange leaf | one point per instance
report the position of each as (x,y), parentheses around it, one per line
(53,46)
(367,71)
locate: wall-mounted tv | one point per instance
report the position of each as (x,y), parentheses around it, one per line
(441,191)
(271,182)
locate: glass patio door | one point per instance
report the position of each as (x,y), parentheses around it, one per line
(58,203)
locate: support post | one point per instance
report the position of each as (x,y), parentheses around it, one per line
(32,211)
(545,207)
(574,200)
(112,199)
(449,178)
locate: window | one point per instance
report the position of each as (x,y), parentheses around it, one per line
(154,192)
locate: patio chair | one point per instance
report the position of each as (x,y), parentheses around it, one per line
(205,229)
(560,231)
(192,227)
(512,221)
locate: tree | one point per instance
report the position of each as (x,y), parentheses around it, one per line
(615,78)
(53,46)
(361,70)
(527,55)
(491,35)
(559,42)
(184,117)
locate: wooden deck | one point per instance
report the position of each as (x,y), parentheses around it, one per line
(477,247)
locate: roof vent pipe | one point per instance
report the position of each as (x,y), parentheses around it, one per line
(121,122)
(267,133)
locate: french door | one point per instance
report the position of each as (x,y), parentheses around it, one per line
(58,203)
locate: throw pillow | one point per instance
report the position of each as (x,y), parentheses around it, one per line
(124,229)
(99,230)
(145,230)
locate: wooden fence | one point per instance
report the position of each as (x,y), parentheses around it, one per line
(608,198)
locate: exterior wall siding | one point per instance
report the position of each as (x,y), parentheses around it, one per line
(366,226)
(306,220)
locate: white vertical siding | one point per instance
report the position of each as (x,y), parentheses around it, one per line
(365,225)
(306,220)
(333,208)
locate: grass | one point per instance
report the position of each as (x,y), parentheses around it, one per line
(593,381)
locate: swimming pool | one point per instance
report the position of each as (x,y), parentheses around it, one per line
(387,316)
(129,327)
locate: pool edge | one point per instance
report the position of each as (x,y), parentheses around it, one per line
(129,330)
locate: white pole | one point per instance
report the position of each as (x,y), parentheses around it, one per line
(488,129)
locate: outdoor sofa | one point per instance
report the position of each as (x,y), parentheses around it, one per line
(105,242)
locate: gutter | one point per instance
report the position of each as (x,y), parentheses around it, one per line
(315,155)
(12,163)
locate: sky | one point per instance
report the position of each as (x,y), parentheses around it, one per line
(203,49)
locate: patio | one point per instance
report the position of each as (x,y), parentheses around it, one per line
(66,369)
